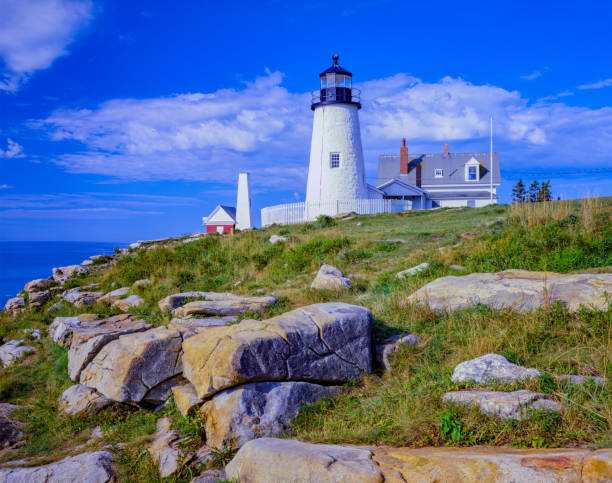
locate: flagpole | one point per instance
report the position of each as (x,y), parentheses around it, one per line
(491,161)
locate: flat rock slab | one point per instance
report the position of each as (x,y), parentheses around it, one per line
(128,303)
(110,297)
(577,380)
(329,342)
(39,284)
(62,327)
(127,368)
(491,367)
(281,460)
(79,296)
(216,303)
(88,338)
(87,467)
(521,289)
(190,326)
(330,278)
(12,351)
(79,399)
(505,405)
(413,271)
(238,415)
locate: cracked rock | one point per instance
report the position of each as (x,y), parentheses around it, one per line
(62,274)
(213,303)
(491,367)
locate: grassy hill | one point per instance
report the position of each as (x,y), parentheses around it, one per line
(399,407)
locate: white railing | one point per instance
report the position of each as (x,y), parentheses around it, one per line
(293,213)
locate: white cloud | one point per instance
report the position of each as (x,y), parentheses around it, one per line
(532,76)
(33,33)
(597,85)
(266,129)
(5,187)
(13,150)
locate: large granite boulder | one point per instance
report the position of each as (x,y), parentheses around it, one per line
(281,460)
(62,327)
(330,278)
(88,338)
(14,350)
(257,410)
(10,433)
(213,303)
(62,274)
(520,289)
(329,342)
(87,467)
(127,368)
(39,285)
(14,306)
(505,405)
(79,399)
(491,367)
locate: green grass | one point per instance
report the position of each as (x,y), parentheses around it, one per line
(402,406)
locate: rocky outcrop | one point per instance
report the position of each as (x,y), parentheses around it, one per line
(185,398)
(38,299)
(329,343)
(62,327)
(213,304)
(116,294)
(161,393)
(62,274)
(127,303)
(385,350)
(14,350)
(81,295)
(127,368)
(280,460)
(520,289)
(80,399)
(87,467)
(505,405)
(39,285)
(330,278)
(190,326)
(491,367)
(413,271)
(14,306)
(10,433)
(258,410)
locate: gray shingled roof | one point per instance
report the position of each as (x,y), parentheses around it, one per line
(452,164)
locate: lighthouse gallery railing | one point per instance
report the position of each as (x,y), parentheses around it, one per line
(293,213)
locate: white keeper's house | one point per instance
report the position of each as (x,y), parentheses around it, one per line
(336,173)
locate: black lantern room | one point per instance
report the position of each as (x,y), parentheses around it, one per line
(336,88)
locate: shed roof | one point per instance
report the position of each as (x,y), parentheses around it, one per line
(218,212)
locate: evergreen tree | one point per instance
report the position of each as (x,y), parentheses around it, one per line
(534,192)
(518,192)
(545,194)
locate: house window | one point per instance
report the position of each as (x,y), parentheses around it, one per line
(439,173)
(334,160)
(472,173)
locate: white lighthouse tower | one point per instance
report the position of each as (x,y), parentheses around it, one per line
(336,172)
(244,211)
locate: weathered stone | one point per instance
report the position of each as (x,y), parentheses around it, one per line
(88,338)
(277,239)
(14,306)
(185,398)
(162,392)
(330,278)
(214,303)
(110,297)
(141,283)
(457,267)
(79,399)
(32,333)
(80,296)
(491,367)
(281,460)
(56,306)
(413,271)
(505,405)
(87,467)
(10,433)
(210,476)
(38,299)
(165,448)
(190,326)
(127,368)
(86,263)
(385,350)
(12,351)
(62,274)
(520,289)
(581,379)
(258,410)
(327,342)
(39,285)
(128,303)
(597,467)
(62,327)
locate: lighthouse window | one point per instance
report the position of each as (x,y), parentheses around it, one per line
(334,160)
(472,176)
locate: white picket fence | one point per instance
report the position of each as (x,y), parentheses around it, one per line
(293,213)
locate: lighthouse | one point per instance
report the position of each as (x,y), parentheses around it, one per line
(336,171)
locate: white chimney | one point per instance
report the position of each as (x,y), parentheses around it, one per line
(244,213)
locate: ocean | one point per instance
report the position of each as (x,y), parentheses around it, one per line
(21,262)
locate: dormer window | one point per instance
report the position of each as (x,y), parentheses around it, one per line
(334,160)
(472,170)
(472,174)
(438,173)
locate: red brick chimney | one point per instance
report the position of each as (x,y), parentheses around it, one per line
(404,158)
(446,149)
(418,174)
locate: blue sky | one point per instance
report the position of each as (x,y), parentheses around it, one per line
(131,120)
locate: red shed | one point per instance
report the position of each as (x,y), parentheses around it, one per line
(221,220)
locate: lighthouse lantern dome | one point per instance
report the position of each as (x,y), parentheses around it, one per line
(336,87)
